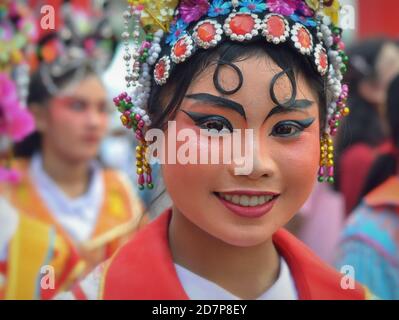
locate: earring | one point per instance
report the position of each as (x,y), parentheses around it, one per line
(134,120)
(326,171)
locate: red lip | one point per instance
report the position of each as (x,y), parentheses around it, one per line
(251,193)
(91,139)
(249,212)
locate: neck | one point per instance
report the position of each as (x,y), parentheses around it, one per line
(71,176)
(246,272)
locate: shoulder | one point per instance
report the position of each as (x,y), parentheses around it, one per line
(375,228)
(314,278)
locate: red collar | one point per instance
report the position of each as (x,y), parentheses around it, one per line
(143,269)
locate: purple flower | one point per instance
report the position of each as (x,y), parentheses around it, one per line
(305,10)
(284,7)
(15,121)
(219,7)
(193,10)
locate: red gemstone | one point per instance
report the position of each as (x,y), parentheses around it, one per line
(276,26)
(206,32)
(304,38)
(242,24)
(180,48)
(323,60)
(160,69)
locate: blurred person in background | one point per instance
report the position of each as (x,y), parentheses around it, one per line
(370,242)
(72,213)
(372,65)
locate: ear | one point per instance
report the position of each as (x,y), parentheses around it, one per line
(40,114)
(371,92)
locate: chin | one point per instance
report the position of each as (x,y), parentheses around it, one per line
(244,237)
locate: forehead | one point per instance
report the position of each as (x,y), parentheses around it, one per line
(88,88)
(257,75)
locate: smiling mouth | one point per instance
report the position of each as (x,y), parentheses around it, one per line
(246,200)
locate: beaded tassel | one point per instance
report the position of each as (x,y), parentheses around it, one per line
(134,121)
(326,171)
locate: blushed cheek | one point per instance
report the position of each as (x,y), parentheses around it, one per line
(190,181)
(299,169)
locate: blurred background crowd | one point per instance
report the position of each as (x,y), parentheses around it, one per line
(68,184)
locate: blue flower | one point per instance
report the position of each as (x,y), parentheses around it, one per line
(176,30)
(309,22)
(253,6)
(219,7)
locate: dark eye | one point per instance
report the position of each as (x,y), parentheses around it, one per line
(217,126)
(287,129)
(78,106)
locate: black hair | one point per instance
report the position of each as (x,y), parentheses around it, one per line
(289,60)
(386,165)
(39,94)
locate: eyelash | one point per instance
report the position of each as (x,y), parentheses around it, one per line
(204,123)
(290,124)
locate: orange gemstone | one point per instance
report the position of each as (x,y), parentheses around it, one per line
(304,38)
(276,26)
(242,24)
(180,48)
(206,32)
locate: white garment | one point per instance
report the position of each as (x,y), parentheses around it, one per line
(77,216)
(198,288)
(8,225)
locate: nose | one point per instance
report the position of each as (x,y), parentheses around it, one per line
(263,163)
(95,117)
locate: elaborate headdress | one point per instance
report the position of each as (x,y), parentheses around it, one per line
(82,34)
(179,28)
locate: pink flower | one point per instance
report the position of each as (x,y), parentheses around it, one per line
(284,7)
(9,175)
(193,10)
(15,121)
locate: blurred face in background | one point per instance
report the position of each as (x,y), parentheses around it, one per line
(75,121)
(386,68)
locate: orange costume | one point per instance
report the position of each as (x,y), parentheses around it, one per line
(42,259)
(143,269)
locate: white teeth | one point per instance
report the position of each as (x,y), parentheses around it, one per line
(268,198)
(235,199)
(253,201)
(246,201)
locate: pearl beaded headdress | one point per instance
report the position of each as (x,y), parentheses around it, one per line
(309,26)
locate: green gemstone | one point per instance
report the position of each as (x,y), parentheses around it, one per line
(344,69)
(141,187)
(320,179)
(150,186)
(336,31)
(337,123)
(330,180)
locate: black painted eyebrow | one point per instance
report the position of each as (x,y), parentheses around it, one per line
(218,101)
(297,105)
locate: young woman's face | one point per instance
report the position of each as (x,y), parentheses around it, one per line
(286,146)
(76,120)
